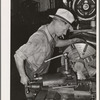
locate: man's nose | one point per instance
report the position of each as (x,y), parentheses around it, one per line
(65,32)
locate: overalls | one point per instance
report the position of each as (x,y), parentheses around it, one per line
(44,67)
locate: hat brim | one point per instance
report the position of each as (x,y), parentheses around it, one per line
(56,16)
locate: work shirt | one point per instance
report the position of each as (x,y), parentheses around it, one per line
(39,48)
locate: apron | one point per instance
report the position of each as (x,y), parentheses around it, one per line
(44,66)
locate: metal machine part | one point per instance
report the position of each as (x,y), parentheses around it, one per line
(85,9)
(82,58)
(53,88)
(84,12)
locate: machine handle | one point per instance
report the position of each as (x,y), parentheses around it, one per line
(65,54)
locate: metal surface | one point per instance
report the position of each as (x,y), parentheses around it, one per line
(82,57)
(85,9)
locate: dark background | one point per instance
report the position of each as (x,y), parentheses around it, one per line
(25,20)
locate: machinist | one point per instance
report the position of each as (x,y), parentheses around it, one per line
(30,57)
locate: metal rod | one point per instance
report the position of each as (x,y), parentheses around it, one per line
(53,58)
(88,30)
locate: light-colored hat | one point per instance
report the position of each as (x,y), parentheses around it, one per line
(64,14)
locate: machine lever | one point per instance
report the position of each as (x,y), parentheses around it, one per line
(65,54)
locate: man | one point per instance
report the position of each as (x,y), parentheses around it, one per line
(30,58)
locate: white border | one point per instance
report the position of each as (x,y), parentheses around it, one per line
(5,49)
(97,47)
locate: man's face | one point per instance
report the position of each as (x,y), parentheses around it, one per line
(61,27)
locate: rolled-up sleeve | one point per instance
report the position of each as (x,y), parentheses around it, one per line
(30,47)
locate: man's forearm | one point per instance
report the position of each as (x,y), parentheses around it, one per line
(20,65)
(62,43)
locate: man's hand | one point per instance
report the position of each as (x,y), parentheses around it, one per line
(77,40)
(24,80)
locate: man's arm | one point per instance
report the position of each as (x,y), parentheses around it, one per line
(62,43)
(20,66)
(24,52)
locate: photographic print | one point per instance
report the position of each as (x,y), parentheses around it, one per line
(53,50)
